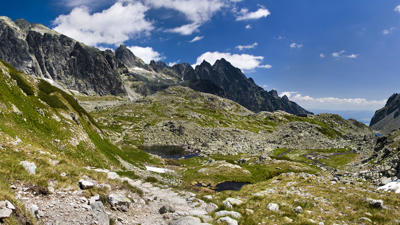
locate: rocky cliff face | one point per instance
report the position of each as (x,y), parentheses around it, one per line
(37,50)
(227,81)
(387,119)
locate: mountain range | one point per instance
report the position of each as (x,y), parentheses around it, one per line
(42,52)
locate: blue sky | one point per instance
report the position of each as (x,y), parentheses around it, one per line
(332,55)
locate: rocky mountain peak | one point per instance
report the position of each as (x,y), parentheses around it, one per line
(158,66)
(128,59)
(387,119)
(227,81)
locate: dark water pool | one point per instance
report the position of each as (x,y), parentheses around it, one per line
(230,186)
(170,151)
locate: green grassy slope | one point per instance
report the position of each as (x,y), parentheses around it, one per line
(41,123)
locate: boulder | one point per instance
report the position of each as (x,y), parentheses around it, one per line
(166,209)
(227,220)
(273,207)
(378,204)
(30,167)
(298,209)
(188,220)
(224,213)
(86,184)
(119,202)
(234,201)
(211,207)
(6,209)
(99,213)
(5,213)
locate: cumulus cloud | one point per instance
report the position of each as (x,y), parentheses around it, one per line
(295,45)
(342,54)
(197,12)
(248,27)
(322,55)
(242,61)
(397,9)
(333,103)
(126,19)
(114,25)
(197,38)
(245,14)
(243,47)
(146,53)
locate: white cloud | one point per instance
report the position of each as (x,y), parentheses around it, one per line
(126,19)
(186,29)
(352,56)
(341,54)
(267,66)
(243,47)
(322,55)
(244,14)
(171,64)
(333,103)
(388,31)
(295,45)
(197,38)
(197,12)
(242,61)
(248,27)
(397,9)
(146,53)
(114,25)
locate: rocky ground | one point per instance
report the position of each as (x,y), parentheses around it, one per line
(181,117)
(220,164)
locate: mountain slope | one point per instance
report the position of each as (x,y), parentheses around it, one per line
(387,119)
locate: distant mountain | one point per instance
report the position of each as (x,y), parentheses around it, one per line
(387,119)
(42,52)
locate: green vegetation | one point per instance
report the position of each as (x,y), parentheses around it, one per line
(52,100)
(226,168)
(21,82)
(334,158)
